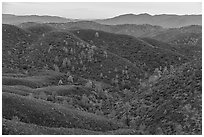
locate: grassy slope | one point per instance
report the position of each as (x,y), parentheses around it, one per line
(52,115)
(20,90)
(12,127)
(30,81)
(34,79)
(21,81)
(13,74)
(64,90)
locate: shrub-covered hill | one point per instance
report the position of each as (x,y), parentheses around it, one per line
(27,24)
(69,53)
(188,51)
(185,29)
(13,35)
(186,39)
(42,113)
(144,30)
(173,104)
(83,81)
(36,28)
(186,35)
(141,53)
(64,52)
(15,44)
(126,29)
(191,29)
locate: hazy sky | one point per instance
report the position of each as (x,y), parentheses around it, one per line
(100,10)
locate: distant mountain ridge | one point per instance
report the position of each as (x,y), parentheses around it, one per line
(14,19)
(164,20)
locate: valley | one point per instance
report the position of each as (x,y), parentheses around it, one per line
(75,77)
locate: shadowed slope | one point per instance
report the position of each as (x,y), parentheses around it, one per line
(43,113)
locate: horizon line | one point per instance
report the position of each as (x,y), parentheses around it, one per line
(103,18)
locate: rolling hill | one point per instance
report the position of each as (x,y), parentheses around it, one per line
(90,78)
(143,30)
(12,127)
(36,28)
(47,114)
(142,54)
(62,51)
(15,43)
(190,51)
(188,35)
(127,29)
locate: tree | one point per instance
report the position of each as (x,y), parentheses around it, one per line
(64,63)
(101,75)
(65,49)
(56,68)
(157,72)
(172,70)
(85,100)
(81,62)
(84,68)
(73,69)
(70,79)
(9,52)
(89,84)
(116,70)
(68,73)
(98,87)
(83,55)
(72,51)
(97,34)
(56,59)
(165,71)
(90,54)
(105,54)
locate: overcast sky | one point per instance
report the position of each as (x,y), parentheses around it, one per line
(90,10)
